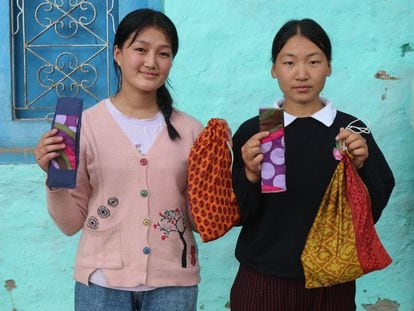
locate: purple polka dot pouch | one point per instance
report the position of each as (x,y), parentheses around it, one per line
(273,168)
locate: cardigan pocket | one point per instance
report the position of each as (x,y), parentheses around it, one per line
(101,249)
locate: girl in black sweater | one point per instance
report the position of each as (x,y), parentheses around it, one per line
(275,225)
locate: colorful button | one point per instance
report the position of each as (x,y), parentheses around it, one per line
(146,222)
(144,193)
(146,250)
(113,202)
(143,162)
(92,223)
(103,212)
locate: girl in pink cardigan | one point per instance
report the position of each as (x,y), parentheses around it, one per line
(136,250)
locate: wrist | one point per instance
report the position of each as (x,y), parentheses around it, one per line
(359,165)
(251,176)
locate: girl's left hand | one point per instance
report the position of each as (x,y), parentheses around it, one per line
(356,146)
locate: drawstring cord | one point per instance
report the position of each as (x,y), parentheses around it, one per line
(356,130)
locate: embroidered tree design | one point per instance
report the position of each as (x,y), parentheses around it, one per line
(173,221)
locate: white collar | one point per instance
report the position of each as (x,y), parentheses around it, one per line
(326,115)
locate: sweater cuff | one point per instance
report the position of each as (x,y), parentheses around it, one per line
(247,184)
(363,172)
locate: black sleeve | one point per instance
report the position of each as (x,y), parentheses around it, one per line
(248,194)
(378,178)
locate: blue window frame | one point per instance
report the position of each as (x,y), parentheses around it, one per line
(58,48)
(61,48)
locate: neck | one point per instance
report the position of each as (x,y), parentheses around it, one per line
(139,106)
(302,110)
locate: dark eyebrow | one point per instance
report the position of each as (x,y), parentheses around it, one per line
(145,42)
(309,55)
(313,54)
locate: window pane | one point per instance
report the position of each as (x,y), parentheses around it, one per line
(61,48)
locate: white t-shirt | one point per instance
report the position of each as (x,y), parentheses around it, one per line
(141,132)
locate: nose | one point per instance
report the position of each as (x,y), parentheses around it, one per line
(301,73)
(150,60)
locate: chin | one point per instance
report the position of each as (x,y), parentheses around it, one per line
(149,88)
(305,98)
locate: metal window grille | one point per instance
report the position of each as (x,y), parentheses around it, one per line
(60,48)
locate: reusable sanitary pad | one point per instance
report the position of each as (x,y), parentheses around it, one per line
(62,170)
(273,168)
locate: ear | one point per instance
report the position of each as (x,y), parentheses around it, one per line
(117,53)
(273,71)
(328,73)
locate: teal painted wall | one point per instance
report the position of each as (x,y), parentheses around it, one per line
(223,70)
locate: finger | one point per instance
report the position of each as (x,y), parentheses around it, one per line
(356,144)
(355,141)
(50,133)
(249,153)
(254,162)
(257,160)
(49,156)
(43,161)
(254,141)
(51,148)
(259,136)
(360,152)
(54,140)
(343,134)
(48,138)
(254,151)
(48,152)
(253,168)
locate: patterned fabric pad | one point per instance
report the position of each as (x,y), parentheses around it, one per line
(62,170)
(67,128)
(273,168)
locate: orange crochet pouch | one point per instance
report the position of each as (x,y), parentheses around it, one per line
(212,201)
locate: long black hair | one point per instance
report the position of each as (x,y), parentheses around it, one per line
(132,24)
(305,27)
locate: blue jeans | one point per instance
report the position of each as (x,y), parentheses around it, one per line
(98,298)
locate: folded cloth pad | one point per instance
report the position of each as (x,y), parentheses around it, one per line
(212,201)
(62,170)
(273,168)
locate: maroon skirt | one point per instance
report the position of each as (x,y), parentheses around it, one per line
(258,291)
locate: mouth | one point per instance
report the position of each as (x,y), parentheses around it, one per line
(149,74)
(302,88)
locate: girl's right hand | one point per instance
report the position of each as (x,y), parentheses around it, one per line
(47,148)
(252,156)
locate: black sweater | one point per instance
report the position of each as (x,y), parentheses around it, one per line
(275,225)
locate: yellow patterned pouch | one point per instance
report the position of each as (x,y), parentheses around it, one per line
(342,243)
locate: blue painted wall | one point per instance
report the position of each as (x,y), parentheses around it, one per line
(18,137)
(223,70)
